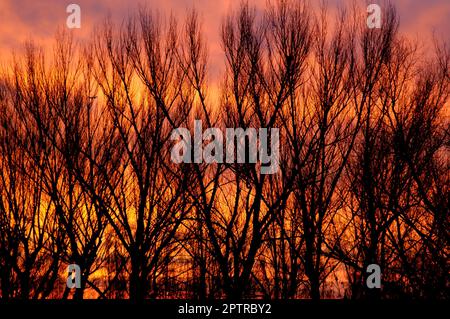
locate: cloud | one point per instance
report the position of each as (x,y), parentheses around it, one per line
(21,20)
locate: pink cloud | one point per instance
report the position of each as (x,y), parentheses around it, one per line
(24,19)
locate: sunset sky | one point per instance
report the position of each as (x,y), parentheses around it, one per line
(306,157)
(21,20)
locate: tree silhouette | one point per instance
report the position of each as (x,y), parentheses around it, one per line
(87,175)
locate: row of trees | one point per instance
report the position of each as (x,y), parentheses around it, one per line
(86,174)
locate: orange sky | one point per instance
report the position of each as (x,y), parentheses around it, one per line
(24,19)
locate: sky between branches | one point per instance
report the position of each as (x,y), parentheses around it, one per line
(21,20)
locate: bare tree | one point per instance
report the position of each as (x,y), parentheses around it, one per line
(148,201)
(87,173)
